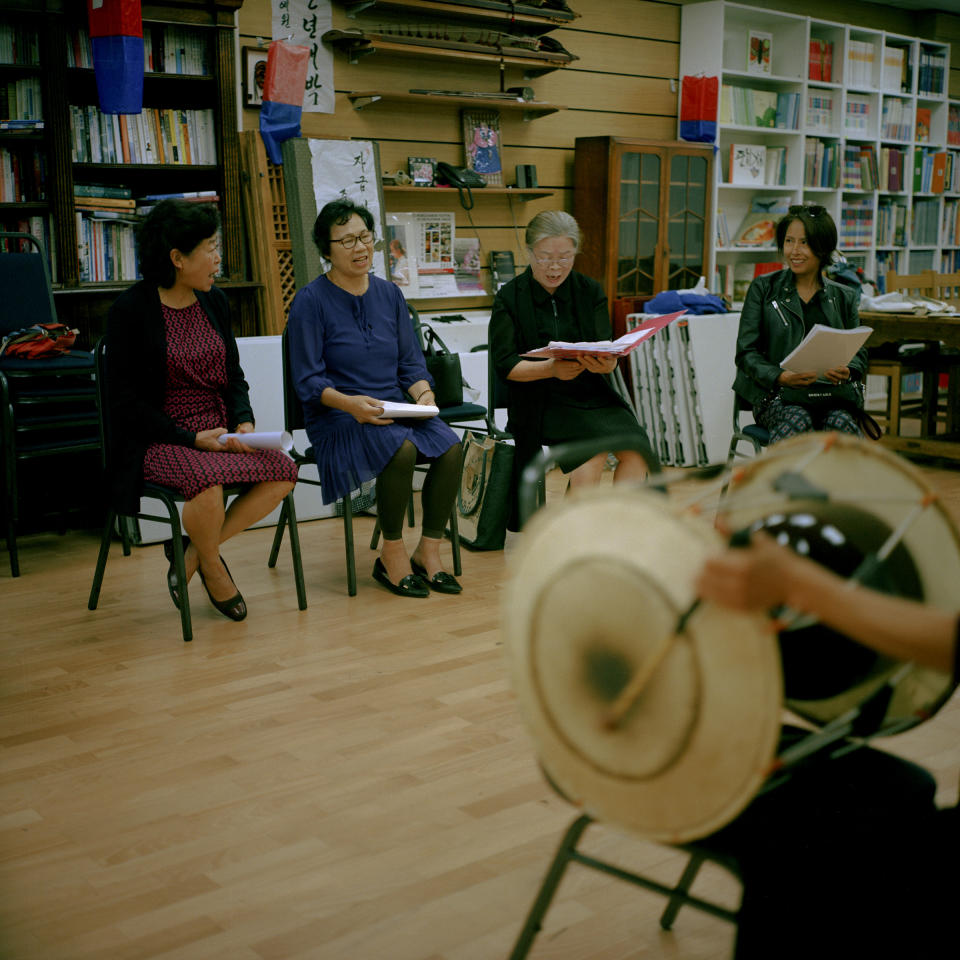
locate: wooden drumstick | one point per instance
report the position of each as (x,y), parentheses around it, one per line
(632,691)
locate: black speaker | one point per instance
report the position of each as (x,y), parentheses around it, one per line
(526,175)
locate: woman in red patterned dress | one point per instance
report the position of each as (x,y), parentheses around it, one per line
(176,386)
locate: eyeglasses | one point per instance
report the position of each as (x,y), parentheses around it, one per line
(810,209)
(350,241)
(557,261)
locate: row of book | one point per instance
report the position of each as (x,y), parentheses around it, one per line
(820,164)
(759,108)
(859,168)
(21,99)
(896,119)
(855,227)
(19,44)
(925,223)
(154,135)
(757,164)
(860,60)
(166,49)
(856,118)
(950,261)
(893,165)
(38,226)
(819,111)
(107,249)
(118,203)
(888,260)
(931,75)
(23,174)
(821,60)
(950,228)
(891,223)
(929,171)
(953,125)
(896,73)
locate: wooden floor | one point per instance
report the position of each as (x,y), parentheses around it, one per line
(351,782)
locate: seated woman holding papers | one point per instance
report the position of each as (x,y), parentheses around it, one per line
(555,400)
(780,309)
(353,347)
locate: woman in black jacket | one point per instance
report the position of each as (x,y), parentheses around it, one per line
(556,401)
(778,311)
(176,386)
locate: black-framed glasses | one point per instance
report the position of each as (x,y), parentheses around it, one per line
(350,241)
(810,209)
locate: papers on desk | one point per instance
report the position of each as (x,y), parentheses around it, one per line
(393,410)
(565,350)
(825,348)
(281,440)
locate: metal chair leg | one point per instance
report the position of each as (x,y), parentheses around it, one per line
(678,898)
(455,542)
(289,512)
(278,534)
(348,546)
(186,624)
(101,560)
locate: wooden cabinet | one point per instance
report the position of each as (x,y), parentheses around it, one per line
(644,208)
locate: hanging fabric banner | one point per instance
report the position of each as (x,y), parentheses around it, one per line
(698,109)
(303,22)
(282,96)
(116,38)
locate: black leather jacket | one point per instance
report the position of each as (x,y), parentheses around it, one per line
(771,325)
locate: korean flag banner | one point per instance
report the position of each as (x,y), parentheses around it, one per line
(116,35)
(283,90)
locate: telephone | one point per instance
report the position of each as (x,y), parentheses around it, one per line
(461,178)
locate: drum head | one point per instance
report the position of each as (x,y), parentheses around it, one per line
(837,498)
(597,586)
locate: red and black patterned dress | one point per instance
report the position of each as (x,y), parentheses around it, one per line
(196,377)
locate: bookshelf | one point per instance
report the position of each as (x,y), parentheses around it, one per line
(864,117)
(185,141)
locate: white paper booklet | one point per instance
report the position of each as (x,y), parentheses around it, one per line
(825,348)
(280,440)
(393,410)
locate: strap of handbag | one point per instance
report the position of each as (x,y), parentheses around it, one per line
(433,345)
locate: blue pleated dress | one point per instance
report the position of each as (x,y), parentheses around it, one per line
(360,346)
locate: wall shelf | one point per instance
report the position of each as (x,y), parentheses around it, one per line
(521,193)
(526,15)
(531,109)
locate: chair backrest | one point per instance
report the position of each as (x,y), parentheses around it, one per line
(25,281)
(103,403)
(292,408)
(496,396)
(922,284)
(947,286)
(417,325)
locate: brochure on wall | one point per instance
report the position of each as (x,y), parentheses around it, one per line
(401,254)
(466,256)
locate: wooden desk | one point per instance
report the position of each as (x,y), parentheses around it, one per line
(905,327)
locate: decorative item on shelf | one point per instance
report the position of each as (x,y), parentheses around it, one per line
(698,109)
(481,144)
(116,35)
(526,175)
(466,270)
(759,226)
(759,52)
(422,171)
(748,162)
(254,75)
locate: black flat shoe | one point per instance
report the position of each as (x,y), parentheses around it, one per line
(410,586)
(173,585)
(235,608)
(442,582)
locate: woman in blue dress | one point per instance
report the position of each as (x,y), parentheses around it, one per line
(352,345)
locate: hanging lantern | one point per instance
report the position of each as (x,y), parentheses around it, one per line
(116,34)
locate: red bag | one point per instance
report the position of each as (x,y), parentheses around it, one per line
(40,340)
(698,109)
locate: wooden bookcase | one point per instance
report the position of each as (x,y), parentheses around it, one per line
(64,87)
(867,107)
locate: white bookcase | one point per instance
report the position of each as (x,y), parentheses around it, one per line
(870,104)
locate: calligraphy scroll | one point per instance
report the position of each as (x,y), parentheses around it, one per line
(304,22)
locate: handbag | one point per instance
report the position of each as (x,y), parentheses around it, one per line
(444,367)
(483,498)
(42,340)
(821,397)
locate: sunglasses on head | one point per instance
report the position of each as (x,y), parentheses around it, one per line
(810,209)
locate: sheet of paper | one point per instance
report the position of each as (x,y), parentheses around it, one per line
(280,440)
(566,350)
(393,410)
(825,348)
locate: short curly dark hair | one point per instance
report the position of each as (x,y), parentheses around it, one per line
(334,213)
(819,227)
(172,225)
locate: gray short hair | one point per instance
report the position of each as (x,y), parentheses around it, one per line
(552,223)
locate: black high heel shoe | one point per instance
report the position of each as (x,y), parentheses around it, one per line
(235,608)
(173,584)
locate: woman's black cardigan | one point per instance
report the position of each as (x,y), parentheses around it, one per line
(136,364)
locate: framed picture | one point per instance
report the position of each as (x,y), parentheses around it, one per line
(481,144)
(422,170)
(759,52)
(748,163)
(254,73)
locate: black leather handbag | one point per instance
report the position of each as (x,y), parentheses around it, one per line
(444,367)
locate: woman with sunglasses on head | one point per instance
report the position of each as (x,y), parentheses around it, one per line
(352,345)
(556,401)
(778,312)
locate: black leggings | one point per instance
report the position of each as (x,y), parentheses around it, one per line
(440,487)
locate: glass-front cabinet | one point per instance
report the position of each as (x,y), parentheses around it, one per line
(644,210)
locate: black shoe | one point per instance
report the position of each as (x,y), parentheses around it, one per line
(410,586)
(235,608)
(173,585)
(442,582)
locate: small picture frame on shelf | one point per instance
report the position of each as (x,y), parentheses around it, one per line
(481,144)
(422,170)
(254,74)
(759,52)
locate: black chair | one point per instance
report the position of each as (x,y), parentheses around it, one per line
(170,498)
(293,420)
(49,406)
(758,437)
